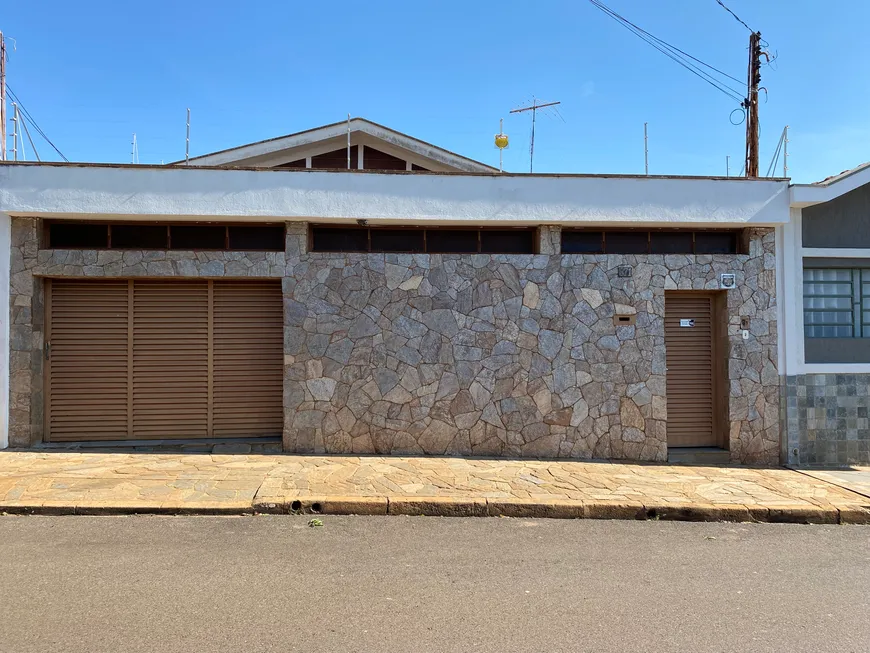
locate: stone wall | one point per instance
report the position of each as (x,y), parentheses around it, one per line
(505,355)
(828,418)
(510,355)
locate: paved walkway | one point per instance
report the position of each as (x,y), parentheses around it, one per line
(93,483)
(855,479)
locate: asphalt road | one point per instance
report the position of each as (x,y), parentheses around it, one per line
(367,584)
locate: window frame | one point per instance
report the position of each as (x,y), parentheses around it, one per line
(858,306)
(532,231)
(226,226)
(739,235)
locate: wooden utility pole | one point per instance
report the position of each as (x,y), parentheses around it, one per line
(2,98)
(750,104)
(534,109)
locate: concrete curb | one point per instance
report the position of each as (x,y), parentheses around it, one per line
(471,507)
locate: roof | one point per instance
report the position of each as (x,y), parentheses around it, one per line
(489,172)
(846,173)
(423,150)
(832,187)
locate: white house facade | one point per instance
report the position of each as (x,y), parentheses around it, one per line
(419,302)
(826,335)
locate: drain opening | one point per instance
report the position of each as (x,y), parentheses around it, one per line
(316,508)
(296,506)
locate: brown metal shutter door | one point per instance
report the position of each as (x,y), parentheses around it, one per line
(87,365)
(248,359)
(170,359)
(690,380)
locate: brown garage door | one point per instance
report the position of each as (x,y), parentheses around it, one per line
(693,385)
(141,360)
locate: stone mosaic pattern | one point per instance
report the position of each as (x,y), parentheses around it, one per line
(90,480)
(145,263)
(25,337)
(828,418)
(501,355)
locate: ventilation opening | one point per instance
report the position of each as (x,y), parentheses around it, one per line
(414,240)
(127,235)
(655,241)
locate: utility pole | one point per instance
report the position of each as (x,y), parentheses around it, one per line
(645,151)
(2,98)
(534,109)
(750,104)
(727,166)
(187,141)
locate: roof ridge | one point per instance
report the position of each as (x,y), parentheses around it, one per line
(358,119)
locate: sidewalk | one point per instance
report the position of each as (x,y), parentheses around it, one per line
(121,483)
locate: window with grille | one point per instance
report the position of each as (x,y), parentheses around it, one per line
(836,303)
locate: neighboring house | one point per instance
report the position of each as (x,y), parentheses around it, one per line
(826,336)
(372,147)
(428,306)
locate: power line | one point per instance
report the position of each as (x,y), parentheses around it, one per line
(722,4)
(673,47)
(673,53)
(33,122)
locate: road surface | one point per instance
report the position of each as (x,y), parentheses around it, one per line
(406,584)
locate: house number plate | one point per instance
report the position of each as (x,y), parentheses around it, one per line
(687,323)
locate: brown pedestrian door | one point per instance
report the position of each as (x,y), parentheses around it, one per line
(140,360)
(692,370)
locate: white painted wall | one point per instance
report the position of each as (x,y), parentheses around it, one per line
(195,193)
(5,253)
(791,347)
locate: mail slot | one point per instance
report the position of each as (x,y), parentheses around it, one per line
(624,320)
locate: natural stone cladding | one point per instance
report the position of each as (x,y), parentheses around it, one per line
(511,355)
(492,355)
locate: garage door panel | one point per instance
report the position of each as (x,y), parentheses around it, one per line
(170,358)
(150,359)
(248,359)
(74,366)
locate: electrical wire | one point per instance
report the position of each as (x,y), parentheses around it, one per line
(673,53)
(722,4)
(33,122)
(671,47)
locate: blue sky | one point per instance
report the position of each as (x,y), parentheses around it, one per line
(92,73)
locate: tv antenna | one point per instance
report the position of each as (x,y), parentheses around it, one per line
(533,107)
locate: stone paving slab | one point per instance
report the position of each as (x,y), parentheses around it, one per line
(79,482)
(855,479)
